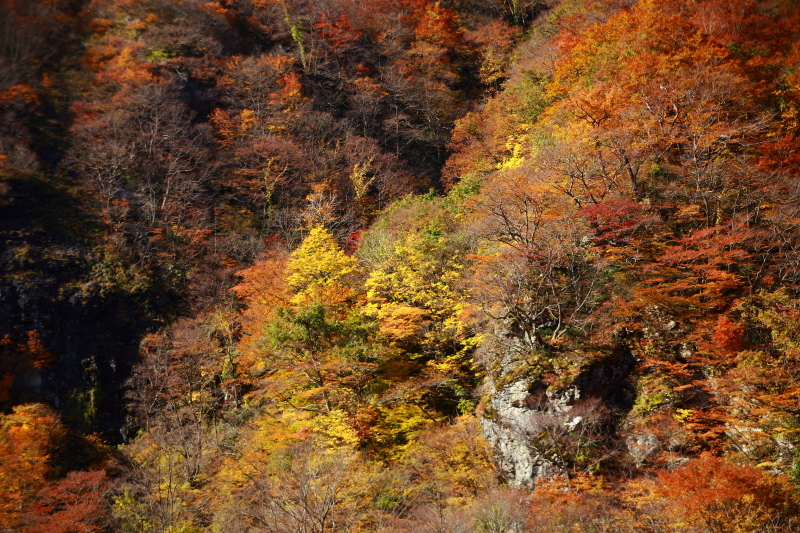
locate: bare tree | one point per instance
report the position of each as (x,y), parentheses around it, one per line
(316,490)
(541,275)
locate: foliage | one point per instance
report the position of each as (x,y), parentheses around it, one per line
(318,267)
(219,207)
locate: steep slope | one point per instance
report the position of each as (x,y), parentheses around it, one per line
(588,322)
(640,210)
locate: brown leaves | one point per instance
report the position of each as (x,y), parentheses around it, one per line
(340,35)
(724,497)
(728,336)
(27,438)
(264,288)
(75,504)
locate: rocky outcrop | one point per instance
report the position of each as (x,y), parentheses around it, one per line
(508,430)
(533,427)
(56,286)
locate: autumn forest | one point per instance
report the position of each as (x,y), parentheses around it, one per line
(400,266)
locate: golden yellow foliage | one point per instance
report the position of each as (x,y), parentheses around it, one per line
(319,268)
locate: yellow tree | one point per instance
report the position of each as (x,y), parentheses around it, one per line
(414,296)
(318,269)
(414,292)
(310,489)
(316,351)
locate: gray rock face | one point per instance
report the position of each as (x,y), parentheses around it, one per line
(641,446)
(525,417)
(510,432)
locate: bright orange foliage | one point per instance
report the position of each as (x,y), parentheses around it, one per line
(27,438)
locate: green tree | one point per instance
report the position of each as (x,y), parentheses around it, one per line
(319,359)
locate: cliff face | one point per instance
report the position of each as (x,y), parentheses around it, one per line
(70,331)
(538,430)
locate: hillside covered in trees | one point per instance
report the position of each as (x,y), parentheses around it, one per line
(456,266)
